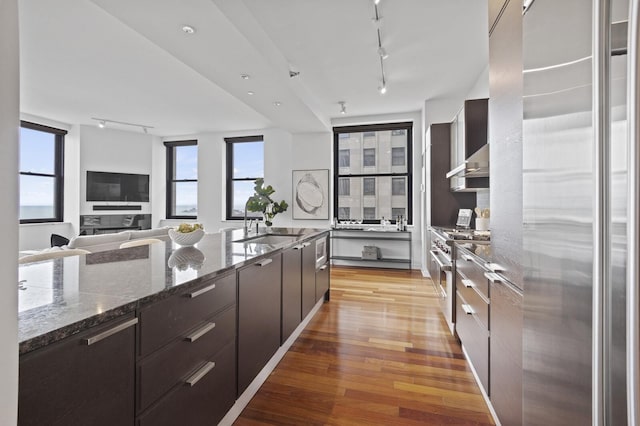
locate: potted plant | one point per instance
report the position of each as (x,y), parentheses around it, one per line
(262,202)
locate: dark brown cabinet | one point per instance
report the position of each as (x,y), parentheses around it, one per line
(187,371)
(291,290)
(308,278)
(472,313)
(86,379)
(259,308)
(443,203)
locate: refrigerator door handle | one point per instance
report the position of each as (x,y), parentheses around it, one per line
(633,225)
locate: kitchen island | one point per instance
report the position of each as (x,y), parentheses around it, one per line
(165,316)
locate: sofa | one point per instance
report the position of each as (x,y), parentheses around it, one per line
(100,242)
(103,242)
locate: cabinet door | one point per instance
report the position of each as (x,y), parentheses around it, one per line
(291,290)
(259,288)
(506,353)
(308,278)
(322,282)
(87,379)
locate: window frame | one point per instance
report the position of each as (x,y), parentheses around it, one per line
(58,172)
(229,171)
(408,175)
(170,177)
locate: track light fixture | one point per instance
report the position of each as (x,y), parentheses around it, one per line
(102,123)
(382,52)
(343,107)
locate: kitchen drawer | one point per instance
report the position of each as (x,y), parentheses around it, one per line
(204,402)
(474,300)
(475,339)
(161,371)
(470,268)
(163,321)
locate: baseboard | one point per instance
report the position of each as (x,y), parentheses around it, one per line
(484,394)
(262,377)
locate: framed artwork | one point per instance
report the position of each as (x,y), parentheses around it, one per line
(311,194)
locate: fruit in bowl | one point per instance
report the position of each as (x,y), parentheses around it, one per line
(187,234)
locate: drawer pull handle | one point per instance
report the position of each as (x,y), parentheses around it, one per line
(494,278)
(467,309)
(467,257)
(468,283)
(201,331)
(494,267)
(202,291)
(265,262)
(198,375)
(323,267)
(110,332)
(306,244)
(298,247)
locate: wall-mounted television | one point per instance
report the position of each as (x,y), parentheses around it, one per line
(105,186)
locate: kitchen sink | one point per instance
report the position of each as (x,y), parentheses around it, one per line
(272,239)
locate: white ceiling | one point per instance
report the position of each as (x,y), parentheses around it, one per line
(129,60)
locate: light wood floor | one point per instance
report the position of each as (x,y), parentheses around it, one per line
(378,354)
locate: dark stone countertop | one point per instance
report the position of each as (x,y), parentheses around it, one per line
(64,296)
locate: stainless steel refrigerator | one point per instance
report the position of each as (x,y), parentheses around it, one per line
(580,212)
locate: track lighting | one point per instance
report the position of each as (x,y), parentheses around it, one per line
(383,88)
(376,2)
(382,52)
(343,107)
(102,123)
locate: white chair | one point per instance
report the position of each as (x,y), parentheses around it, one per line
(51,255)
(139,242)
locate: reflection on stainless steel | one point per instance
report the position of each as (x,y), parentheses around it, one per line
(574,255)
(440,269)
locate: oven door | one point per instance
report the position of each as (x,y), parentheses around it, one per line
(442,278)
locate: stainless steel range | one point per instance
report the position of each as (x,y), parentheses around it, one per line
(442,265)
(441,271)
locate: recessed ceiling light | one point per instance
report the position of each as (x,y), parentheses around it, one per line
(245,76)
(188,29)
(277,103)
(251,93)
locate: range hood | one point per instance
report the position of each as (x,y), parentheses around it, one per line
(473,174)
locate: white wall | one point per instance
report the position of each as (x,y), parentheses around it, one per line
(9,126)
(111,150)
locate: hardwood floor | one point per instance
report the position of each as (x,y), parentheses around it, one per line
(378,354)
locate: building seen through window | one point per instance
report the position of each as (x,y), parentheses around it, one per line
(373,172)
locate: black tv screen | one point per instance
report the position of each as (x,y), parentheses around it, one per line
(105,186)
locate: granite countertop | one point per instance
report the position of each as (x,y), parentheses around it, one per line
(64,296)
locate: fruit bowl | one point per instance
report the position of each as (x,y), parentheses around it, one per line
(186,239)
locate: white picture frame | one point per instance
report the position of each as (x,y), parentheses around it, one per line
(310,194)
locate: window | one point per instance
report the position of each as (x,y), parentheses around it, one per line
(368,213)
(41,173)
(182,179)
(379,172)
(245,164)
(344,213)
(344,186)
(369,157)
(397,156)
(368,186)
(395,212)
(345,158)
(398,186)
